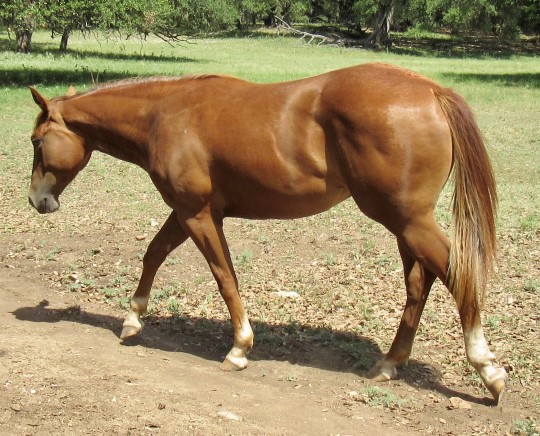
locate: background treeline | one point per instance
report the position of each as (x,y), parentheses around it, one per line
(371,20)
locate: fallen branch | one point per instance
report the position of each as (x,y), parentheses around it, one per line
(312,36)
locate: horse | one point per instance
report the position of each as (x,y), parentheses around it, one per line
(216,146)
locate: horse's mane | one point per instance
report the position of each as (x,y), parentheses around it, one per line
(143,80)
(153,79)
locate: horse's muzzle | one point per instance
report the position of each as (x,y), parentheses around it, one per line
(47,204)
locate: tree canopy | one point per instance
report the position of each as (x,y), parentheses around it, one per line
(175,19)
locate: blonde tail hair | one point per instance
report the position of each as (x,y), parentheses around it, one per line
(473,242)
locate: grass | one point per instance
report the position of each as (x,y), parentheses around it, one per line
(525,427)
(345,268)
(374,396)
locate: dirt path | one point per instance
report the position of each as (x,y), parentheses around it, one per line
(64,371)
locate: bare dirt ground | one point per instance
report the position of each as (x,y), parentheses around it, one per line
(63,369)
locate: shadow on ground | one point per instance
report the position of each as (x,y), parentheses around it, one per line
(210,339)
(530,80)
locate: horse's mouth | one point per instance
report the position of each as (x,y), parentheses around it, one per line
(46,204)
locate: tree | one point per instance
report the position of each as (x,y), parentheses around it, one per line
(22,17)
(494,16)
(380,16)
(65,16)
(169,19)
(498,17)
(330,11)
(529,16)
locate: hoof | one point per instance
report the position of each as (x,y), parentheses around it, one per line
(497,389)
(232,363)
(129,331)
(383,371)
(494,378)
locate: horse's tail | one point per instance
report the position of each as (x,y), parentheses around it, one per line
(473,245)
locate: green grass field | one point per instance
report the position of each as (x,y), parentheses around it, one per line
(504,92)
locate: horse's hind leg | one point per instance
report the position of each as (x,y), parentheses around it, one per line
(426,243)
(418,283)
(170,236)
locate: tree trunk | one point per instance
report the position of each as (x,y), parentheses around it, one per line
(383,23)
(24,41)
(64,40)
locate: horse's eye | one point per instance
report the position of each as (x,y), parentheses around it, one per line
(36,142)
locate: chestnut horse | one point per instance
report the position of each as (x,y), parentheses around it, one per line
(217,146)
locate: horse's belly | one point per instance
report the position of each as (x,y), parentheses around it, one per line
(276,204)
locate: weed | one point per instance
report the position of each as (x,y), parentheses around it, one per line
(82,284)
(200,280)
(356,255)
(358,352)
(374,396)
(124,303)
(289,377)
(173,306)
(532,286)
(163,293)
(74,287)
(93,252)
(525,427)
(383,261)
(493,321)
(368,246)
(330,259)
(531,223)
(173,260)
(51,255)
(111,292)
(244,258)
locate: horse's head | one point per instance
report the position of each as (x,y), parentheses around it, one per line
(59,154)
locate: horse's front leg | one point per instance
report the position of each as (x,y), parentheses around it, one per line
(170,236)
(207,233)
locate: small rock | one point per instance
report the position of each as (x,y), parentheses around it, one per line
(354,395)
(458,403)
(16,407)
(287,294)
(229,415)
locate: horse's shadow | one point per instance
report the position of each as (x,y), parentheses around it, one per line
(209,339)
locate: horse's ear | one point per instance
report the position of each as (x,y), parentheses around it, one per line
(39,99)
(71,92)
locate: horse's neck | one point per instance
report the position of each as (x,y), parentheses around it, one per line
(110,125)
